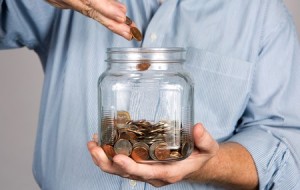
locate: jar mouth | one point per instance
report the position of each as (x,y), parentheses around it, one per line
(144,50)
(153,55)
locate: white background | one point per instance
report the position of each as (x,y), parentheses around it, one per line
(21,79)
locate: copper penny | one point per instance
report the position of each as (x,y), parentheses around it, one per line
(109,151)
(136,33)
(122,119)
(159,150)
(128,21)
(123,135)
(132,135)
(143,66)
(140,151)
(162,152)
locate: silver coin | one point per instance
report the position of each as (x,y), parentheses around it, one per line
(187,148)
(123,146)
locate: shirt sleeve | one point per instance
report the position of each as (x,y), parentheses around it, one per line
(25,23)
(270,125)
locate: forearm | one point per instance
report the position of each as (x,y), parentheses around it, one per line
(232,167)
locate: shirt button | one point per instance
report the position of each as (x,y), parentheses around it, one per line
(153,37)
(132,183)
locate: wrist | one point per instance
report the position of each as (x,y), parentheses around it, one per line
(232,167)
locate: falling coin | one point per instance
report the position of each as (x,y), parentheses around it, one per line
(136,33)
(143,66)
(123,146)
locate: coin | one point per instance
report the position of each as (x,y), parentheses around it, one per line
(159,151)
(128,21)
(175,155)
(143,66)
(162,152)
(123,146)
(136,33)
(186,149)
(132,136)
(145,140)
(140,152)
(109,151)
(122,118)
(127,135)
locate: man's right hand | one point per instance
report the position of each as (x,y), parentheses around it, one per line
(110,13)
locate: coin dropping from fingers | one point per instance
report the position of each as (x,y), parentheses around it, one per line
(136,34)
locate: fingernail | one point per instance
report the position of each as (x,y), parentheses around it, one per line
(95,137)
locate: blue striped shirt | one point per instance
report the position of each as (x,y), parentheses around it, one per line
(244,57)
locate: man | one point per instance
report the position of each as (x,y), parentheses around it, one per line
(244,58)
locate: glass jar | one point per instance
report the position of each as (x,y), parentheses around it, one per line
(146,105)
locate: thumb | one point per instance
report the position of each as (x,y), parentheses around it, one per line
(203,140)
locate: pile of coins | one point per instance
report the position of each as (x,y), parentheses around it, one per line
(143,140)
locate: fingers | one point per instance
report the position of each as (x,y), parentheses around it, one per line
(157,174)
(142,172)
(95,137)
(203,140)
(124,166)
(58,4)
(110,13)
(119,28)
(108,8)
(99,157)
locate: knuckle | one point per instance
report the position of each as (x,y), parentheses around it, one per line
(91,13)
(65,1)
(87,2)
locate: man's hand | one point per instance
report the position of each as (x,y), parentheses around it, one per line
(110,13)
(160,174)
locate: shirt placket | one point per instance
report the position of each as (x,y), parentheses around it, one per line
(156,30)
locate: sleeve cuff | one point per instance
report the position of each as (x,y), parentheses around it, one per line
(267,150)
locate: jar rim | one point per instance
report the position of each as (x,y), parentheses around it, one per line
(144,49)
(153,55)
